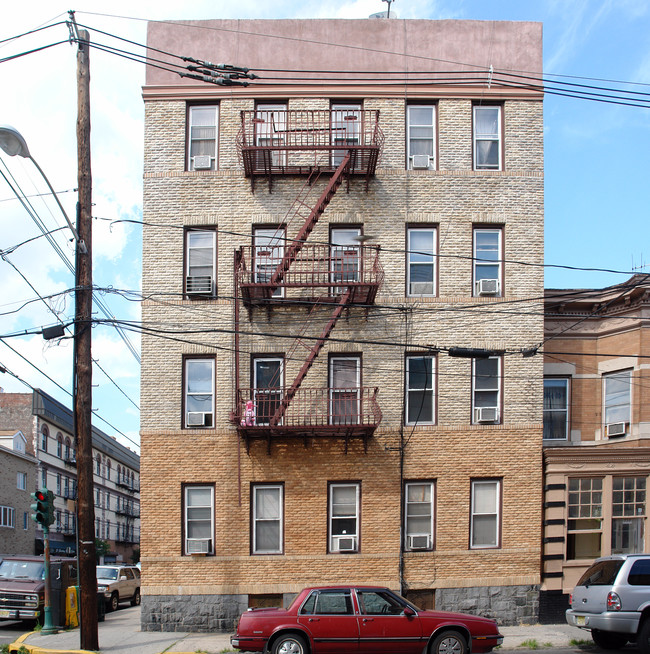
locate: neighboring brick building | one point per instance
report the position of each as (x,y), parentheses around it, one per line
(49,433)
(596,431)
(17,479)
(369,454)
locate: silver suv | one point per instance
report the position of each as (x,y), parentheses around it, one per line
(118,583)
(612,600)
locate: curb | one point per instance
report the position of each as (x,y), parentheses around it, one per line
(35,649)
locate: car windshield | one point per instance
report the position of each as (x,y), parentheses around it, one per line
(106,573)
(602,573)
(22,570)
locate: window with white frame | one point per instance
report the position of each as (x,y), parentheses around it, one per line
(7,517)
(199,520)
(585,518)
(628,515)
(344,517)
(270,132)
(345,390)
(21,481)
(486,390)
(488,153)
(45,433)
(200,262)
(199,393)
(486,520)
(418,513)
(488,264)
(421,269)
(421,128)
(617,396)
(44,478)
(267,518)
(556,409)
(202,137)
(420,390)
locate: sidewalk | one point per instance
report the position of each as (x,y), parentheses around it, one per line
(120,634)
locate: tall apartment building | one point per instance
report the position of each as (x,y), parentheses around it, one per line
(333,386)
(596,431)
(49,436)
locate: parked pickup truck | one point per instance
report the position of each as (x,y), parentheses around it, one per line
(22,585)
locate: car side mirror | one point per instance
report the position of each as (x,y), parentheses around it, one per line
(123,578)
(409,612)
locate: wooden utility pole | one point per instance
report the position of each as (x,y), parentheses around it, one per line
(83,361)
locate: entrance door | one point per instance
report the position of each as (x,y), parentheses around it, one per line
(346,129)
(344,256)
(267,391)
(270,131)
(268,251)
(345,377)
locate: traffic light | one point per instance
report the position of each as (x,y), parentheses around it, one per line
(43,507)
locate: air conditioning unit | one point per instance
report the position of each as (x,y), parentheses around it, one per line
(421,288)
(345,543)
(419,542)
(615,429)
(420,161)
(198,285)
(487,286)
(486,414)
(199,419)
(202,162)
(197,545)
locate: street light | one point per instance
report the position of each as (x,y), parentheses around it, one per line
(13,143)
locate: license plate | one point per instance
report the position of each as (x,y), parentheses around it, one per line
(6,613)
(580,620)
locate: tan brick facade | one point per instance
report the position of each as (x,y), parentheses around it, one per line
(450,453)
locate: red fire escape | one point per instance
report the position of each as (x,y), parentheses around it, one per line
(286,269)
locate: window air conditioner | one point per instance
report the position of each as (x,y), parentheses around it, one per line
(419,541)
(198,284)
(487,286)
(202,162)
(421,288)
(197,545)
(345,543)
(486,414)
(199,419)
(615,429)
(420,161)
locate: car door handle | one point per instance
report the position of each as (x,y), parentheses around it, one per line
(368,619)
(314,619)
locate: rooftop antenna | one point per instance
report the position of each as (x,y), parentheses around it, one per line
(389,3)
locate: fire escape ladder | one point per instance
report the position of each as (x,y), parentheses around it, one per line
(296,245)
(315,351)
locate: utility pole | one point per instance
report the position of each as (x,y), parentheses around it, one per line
(83,361)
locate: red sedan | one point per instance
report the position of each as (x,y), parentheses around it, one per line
(364,619)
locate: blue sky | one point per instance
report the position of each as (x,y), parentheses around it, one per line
(596,164)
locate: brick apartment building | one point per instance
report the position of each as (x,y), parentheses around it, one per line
(596,431)
(47,426)
(316,246)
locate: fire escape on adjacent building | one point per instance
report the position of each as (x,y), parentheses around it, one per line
(282,268)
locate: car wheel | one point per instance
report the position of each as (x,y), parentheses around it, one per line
(448,642)
(136,598)
(290,644)
(114,602)
(643,640)
(610,639)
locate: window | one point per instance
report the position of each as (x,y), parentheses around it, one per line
(202,138)
(379,602)
(270,131)
(488,273)
(585,512)
(7,517)
(420,390)
(485,523)
(268,252)
(67,449)
(486,390)
(108,470)
(268,377)
(199,393)
(418,512)
(346,128)
(345,385)
(44,478)
(344,517)
(344,256)
(628,514)
(45,433)
(25,520)
(556,409)
(98,470)
(199,519)
(421,249)
(487,137)
(421,128)
(267,519)
(328,602)
(21,481)
(59,444)
(58,484)
(617,393)
(200,262)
